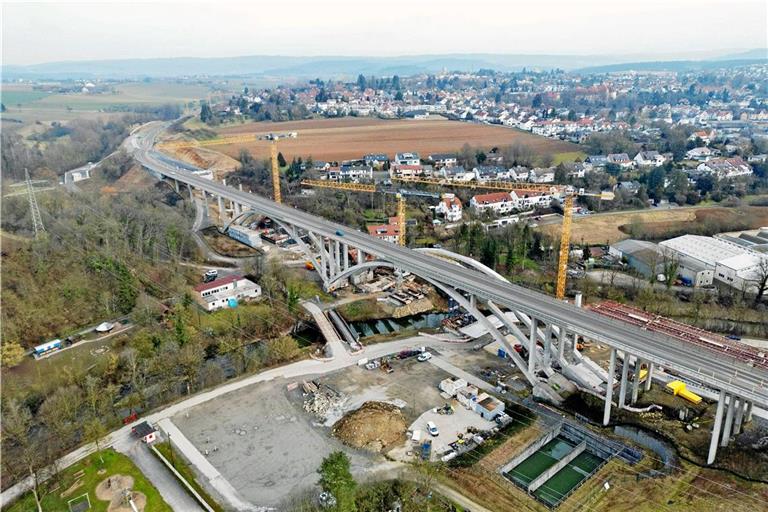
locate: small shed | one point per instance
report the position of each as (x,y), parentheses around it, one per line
(489,407)
(146,432)
(452,385)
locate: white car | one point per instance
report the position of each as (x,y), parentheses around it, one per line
(426,356)
(432,429)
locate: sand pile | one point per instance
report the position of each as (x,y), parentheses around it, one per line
(375,426)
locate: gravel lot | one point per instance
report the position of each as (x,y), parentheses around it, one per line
(279,451)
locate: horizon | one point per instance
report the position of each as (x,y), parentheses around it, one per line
(34,35)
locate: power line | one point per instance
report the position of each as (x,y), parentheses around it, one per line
(37,221)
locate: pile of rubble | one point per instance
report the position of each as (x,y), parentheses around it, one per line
(375,426)
(320,399)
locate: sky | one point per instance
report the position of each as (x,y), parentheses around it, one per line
(58,31)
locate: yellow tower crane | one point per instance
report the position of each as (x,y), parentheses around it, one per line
(401,219)
(565,232)
(278,197)
(365,187)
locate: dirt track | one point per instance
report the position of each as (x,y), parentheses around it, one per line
(347,138)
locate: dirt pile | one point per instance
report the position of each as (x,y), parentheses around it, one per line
(375,426)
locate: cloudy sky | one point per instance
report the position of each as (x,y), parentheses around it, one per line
(54,31)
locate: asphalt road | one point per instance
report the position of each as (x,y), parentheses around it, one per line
(718,370)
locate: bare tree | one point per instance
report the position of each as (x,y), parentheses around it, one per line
(31,453)
(670,265)
(760,280)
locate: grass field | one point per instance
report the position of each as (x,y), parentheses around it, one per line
(353,137)
(42,106)
(84,477)
(607,228)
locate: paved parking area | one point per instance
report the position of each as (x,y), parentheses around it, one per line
(449,425)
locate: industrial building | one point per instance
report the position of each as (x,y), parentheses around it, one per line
(248,236)
(644,257)
(706,259)
(226,292)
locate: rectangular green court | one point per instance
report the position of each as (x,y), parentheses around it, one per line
(541,460)
(571,476)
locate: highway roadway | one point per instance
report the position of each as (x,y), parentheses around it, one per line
(700,364)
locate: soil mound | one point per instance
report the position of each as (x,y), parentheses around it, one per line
(375,426)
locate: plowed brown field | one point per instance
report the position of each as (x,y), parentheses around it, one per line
(351,137)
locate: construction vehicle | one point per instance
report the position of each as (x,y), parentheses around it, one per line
(678,388)
(569,196)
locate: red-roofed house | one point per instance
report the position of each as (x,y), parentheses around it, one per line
(387,232)
(449,207)
(498,202)
(226,291)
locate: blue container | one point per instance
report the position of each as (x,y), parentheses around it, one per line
(232,302)
(502,353)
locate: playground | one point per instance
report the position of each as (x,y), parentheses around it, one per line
(91,485)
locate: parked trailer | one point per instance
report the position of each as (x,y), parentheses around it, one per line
(47,348)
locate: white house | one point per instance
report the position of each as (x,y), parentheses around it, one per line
(449,207)
(407,159)
(444,159)
(498,202)
(226,292)
(649,159)
(701,154)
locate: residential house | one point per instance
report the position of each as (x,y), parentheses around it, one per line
(375,159)
(407,171)
(701,154)
(497,202)
(597,160)
(725,168)
(649,159)
(226,292)
(407,159)
(444,159)
(620,159)
(449,207)
(387,232)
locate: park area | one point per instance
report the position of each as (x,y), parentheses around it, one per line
(353,137)
(91,485)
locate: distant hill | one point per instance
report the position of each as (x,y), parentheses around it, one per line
(673,65)
(342,67)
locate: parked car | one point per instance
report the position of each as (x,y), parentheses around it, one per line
(210,275)
(432,429)
(426,356)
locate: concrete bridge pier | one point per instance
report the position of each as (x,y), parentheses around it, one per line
(609,388)
(726,438)
(532,346)
(238,211)
(221,208)
(176,186)
(205,203)
(561,344)
(623,384)
(345,252)
(649,377)
(636,381)
(716,428)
